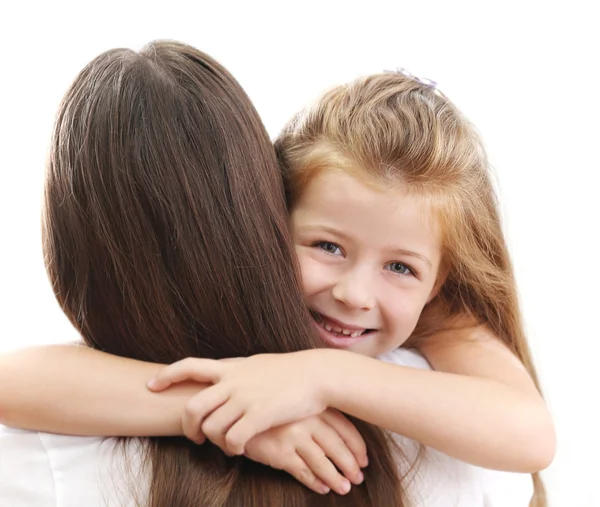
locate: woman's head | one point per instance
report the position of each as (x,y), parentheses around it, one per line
(400,143)
(165,211)
(165,237)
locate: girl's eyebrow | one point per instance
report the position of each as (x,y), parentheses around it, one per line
(326,228)
(410,253)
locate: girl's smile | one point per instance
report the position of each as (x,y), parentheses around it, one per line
(338,334)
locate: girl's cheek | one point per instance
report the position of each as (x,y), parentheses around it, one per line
(315,276)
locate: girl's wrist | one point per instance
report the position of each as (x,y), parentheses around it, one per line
(327,368)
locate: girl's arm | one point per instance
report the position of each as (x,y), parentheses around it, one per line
(484,416)
(482,359)
(76,390)
(480,405)
(72,389)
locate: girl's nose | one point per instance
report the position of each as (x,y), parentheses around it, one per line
(355,292)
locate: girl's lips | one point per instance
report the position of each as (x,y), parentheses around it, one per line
(336,340)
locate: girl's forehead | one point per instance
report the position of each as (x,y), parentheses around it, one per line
(334,189)
(382,217)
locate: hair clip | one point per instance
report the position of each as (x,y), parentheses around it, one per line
(430,83)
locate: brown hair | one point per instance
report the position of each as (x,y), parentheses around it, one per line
(165,237)
(393,129)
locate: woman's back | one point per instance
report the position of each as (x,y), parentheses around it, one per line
(49,470)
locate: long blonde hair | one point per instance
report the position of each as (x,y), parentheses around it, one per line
(397,130)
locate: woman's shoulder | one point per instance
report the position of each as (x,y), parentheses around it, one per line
(43,469)
(437,480)
(406,357)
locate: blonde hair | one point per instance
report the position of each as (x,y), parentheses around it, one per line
(393,129)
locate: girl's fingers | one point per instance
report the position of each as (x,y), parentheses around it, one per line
(198,408)
(336,452)
(322,467)
(216,424)
(298,468)
(198,370)
(247,427)
(349,434)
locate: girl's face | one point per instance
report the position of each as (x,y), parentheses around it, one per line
(369,258)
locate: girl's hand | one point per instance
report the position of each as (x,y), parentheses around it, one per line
(249,395)
(311,449)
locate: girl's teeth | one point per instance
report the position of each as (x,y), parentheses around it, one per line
(333,328)
(345,332)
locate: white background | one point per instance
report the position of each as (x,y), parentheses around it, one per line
(526,73)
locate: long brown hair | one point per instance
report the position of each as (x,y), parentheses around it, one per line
(396,130)
(165,237)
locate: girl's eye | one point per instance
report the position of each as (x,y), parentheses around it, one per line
(400,268)
(330,248)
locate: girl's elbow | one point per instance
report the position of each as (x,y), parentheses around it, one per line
(541,443)
(547,452)
(6,416)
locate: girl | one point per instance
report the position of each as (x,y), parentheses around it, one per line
(399,240)
(398,236)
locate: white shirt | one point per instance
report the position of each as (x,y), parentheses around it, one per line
(46,470)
